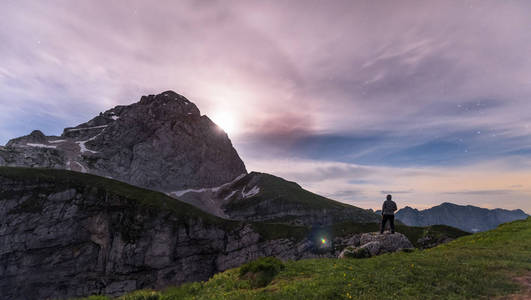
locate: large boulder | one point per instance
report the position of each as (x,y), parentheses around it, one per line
(372,244)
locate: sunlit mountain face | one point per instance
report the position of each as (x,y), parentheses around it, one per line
(353,100)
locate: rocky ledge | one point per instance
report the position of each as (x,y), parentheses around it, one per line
(372,244)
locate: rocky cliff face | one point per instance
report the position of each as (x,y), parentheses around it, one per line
(162,143)
(468,218)
(66,234)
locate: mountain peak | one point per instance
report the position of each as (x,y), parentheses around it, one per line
(448,204)
(35,137)
(409,208)
(160,142)
(164,97)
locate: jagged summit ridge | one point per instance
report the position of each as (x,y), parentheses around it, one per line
(161,142)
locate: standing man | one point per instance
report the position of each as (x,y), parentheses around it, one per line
(388,213)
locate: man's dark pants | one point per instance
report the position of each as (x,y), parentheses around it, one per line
(391,219)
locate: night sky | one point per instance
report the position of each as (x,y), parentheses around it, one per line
(427,100)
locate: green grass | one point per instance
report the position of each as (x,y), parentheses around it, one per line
(69,179)
(479,266)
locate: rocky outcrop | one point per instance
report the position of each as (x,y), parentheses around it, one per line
(266,198)
(67,234)
(161,142)
(372,244)
(468,218)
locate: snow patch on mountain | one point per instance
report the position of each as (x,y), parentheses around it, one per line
(82,143)
(255,190)
(229,183)
(83,169)
(84,148)
(180,193)
(85,128)
(230,195)
(202,190)
(41,145)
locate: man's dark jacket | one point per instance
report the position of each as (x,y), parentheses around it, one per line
(389,207)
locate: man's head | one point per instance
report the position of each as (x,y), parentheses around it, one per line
(389,197)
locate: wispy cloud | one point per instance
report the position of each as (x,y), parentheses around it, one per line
(437,90)
(419,187)
(481,192)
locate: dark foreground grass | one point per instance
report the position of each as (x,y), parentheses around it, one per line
(479,266)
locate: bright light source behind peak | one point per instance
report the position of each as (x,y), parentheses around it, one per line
(225,121)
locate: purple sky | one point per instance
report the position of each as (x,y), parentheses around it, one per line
(429,100)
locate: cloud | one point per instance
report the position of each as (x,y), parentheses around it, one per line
(481,192)
(347,194)
(326,63)
(396,192)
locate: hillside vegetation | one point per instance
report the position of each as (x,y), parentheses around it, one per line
(281,201)
(156,201)
(477,266)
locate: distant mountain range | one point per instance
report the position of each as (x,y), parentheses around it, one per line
(468,218)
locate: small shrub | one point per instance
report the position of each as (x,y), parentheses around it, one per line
(261,272)
(358,253)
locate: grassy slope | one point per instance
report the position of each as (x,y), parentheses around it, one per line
(474,266)
(281,193)
(143,197)
(273,187)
